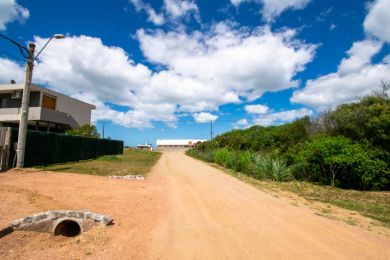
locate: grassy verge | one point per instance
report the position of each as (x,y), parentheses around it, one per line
(132,162)
(375,205)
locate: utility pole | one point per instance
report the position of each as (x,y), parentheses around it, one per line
(24,109)
(103,128)
(211,130)
(23,122)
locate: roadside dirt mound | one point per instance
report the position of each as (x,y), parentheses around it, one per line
(136,207)
(27,244)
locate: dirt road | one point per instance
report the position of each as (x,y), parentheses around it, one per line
(184,210)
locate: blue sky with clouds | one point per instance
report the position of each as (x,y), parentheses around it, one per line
(166,68)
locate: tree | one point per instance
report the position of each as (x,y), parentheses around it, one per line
(85,130)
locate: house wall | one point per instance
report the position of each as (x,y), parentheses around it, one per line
(78,112)
(50,115)
(81,112)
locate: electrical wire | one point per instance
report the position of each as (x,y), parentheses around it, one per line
(12,57)
(23,50)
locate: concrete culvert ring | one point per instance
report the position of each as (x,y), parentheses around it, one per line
(68,223)
(67,228)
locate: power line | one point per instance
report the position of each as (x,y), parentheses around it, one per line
(9,55)
(23,50)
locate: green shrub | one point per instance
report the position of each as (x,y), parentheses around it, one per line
(340,162)
(85,130)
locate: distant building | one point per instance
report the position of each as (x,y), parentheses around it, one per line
(177,144)
(48,109)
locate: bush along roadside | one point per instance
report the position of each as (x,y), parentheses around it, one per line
(348,147)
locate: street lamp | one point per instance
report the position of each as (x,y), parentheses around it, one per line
(55,36)
(26,99)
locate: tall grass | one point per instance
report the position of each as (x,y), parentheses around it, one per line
(254,165)
(221,156)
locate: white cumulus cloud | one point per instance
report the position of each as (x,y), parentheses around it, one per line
(199,71)
(85,64)
(11,11)
(153,16)
(180,8)
(226,65)
(85,68)
(204,117)
(242,123)
(378,19)
(172,10)
(273,8)
(282,117)
(257,109)
(10,70)
(359,56)
(357,76)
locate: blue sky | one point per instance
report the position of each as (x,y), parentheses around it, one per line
(166,68)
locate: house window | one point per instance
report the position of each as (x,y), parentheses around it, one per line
(49,102)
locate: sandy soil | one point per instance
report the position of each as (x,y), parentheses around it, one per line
(184,210)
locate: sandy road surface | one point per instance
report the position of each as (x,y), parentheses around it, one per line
(214,216)
(184,210)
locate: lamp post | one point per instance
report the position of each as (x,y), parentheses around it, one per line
(26,100)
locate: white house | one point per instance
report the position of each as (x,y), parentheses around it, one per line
(48,109)
(177,144)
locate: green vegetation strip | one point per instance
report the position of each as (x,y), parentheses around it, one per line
(132,162)
(348,147)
